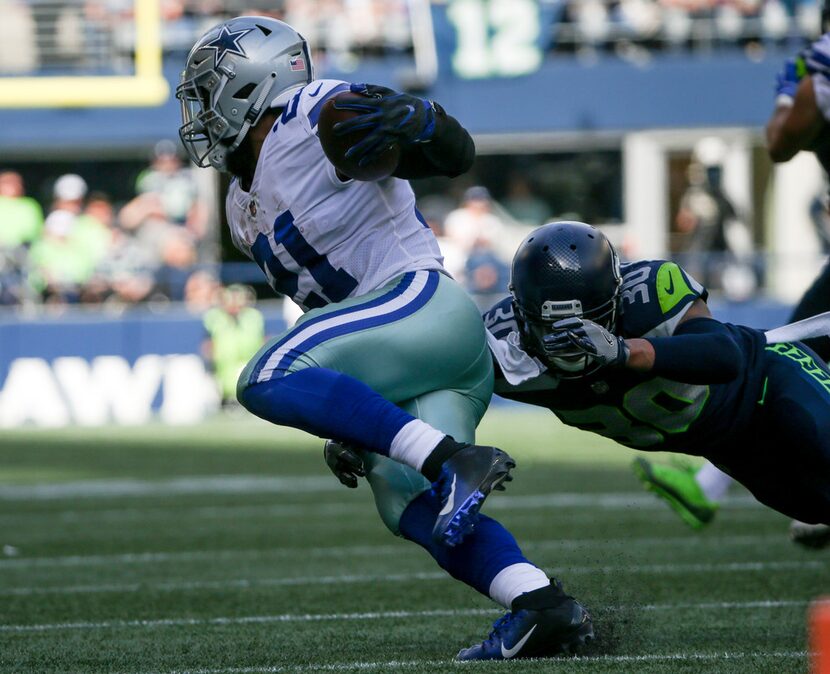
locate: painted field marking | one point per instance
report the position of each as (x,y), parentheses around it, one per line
(348,579)
(326,552)
(624,504)
(380,615)
(252,484)
(212,484)
(396,665)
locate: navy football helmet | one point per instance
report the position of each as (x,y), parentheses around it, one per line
(564,270)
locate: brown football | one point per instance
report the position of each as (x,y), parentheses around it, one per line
(335,146)
(821,143)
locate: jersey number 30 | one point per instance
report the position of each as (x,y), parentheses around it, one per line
(649,411)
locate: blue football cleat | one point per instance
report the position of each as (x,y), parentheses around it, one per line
(542,624)
(466,479)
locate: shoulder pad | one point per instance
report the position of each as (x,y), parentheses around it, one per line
(313,96)
(655,296)
(817,57)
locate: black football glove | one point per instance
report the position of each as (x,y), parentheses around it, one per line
(390,117)
(344,462)
(582,335)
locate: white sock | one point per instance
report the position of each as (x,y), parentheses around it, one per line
(713,481)
(414,443)
(514,580)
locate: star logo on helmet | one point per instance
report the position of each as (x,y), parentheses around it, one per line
(227,42)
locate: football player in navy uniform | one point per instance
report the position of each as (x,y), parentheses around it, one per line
(631,352)
(798,122)
(390,354)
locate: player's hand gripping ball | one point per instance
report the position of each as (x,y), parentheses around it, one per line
(362,130)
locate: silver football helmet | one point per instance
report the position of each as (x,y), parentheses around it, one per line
(233,74)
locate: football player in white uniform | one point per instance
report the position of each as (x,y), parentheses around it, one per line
(390,355)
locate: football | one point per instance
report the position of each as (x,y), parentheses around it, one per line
(821,143)
(336,146)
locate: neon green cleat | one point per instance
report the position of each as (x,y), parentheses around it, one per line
(678,488)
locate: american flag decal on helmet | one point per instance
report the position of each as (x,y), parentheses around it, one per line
(296,62)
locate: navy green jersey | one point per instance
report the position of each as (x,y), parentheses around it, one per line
(639,409)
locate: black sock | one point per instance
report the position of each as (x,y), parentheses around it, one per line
(541,599)
(443,451)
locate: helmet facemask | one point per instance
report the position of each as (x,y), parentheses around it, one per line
(535,327)
(203,128)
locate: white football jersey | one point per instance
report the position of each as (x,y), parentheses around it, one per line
(319,239)
(818,61)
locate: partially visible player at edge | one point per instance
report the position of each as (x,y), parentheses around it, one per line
(799,121)
(617,350)
(391,354)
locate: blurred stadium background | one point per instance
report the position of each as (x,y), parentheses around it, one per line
(644,117)
(587,109)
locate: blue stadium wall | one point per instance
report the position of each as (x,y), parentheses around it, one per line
(82,367)
(86,369)
(564,95)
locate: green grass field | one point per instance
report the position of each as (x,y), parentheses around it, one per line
(230,548)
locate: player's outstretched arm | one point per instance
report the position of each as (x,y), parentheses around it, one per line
(701,351)
(795,122)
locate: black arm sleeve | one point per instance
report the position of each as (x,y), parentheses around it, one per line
(450,151)
(701,351)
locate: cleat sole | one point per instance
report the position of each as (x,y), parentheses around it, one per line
(576,641)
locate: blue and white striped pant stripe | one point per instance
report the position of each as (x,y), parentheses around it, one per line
(411,293)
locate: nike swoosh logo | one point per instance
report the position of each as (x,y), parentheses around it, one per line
(508,653)
(670,289)
(450,499)
(316,92)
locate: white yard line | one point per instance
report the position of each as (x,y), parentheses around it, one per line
(231,584)
(353,579)
(252,484)
(327,552)
(212,484)
(138,558)
(720,567)
(397,665)
(380,615)
(624,503)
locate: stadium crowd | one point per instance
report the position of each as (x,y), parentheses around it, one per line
(46,34)
(158,246)
(672,24)
(49,34)
(85,248)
